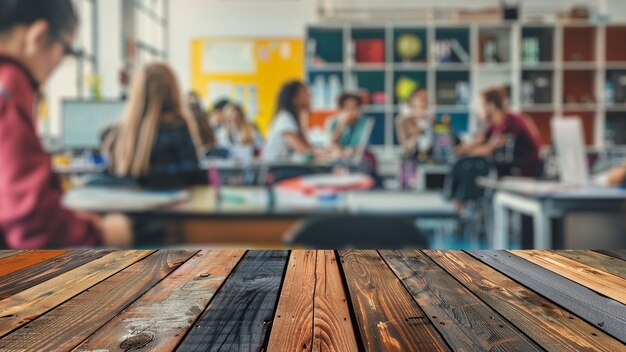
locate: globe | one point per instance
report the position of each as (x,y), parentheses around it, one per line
(409,46)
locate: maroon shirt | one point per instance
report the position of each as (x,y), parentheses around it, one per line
(514,132)
(31,213)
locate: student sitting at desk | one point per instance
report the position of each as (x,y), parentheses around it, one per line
(217,115)
(237,131)
(414,126)
(508,139)
(35,36)
(347,128)
(285,139)
(207,136)
(158,138)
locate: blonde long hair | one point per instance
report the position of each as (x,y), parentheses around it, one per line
(155,95)
(237,117)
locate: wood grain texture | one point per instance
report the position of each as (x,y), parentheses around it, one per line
(72,322)
(26,278)
(552,327)
(615,254)
(388,317)
(8,253)
(159,320)
(604,313)
(240,315)
(27,305)
(23,260)
(597,260)
(600,281)
(465,322)
(312,313)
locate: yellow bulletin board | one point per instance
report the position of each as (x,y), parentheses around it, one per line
(249,71)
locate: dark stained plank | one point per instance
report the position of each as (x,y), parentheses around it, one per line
(72,322)
(26,278)
(8,253)
(20,308)
(159,320)
(606,314)
(312,313)
(25,259)
(552,327)
(600,281)
(597,260)
(615,254)
(388,317)
(240,315)
(465,322)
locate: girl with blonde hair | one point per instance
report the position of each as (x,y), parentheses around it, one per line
(237,130)
(157,135)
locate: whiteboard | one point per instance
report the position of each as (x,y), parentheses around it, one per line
(84,121)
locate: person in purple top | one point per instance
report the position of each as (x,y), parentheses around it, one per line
(508,139)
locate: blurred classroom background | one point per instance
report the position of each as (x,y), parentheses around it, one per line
(391,93)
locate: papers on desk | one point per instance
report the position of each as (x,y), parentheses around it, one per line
(120,200)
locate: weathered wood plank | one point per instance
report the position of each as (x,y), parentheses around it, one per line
(27,305)
(159,320)
(25,259)
(597,260)
(388,317)
(600,281)
(604,313)
(312,313)
(552,327)
(26,278)
(615,254)
(8,253)
(465,322)
(241,313)
(72,322)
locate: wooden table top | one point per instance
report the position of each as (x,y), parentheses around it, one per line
(306,300)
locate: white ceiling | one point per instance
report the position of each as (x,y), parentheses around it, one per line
(395,8)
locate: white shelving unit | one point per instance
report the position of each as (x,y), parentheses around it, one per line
(560,70)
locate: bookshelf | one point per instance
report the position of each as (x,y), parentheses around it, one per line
(562,69)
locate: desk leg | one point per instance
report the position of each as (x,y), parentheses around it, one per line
(499,236)
(421,179)
(542,228)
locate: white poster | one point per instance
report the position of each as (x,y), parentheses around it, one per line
(229,58)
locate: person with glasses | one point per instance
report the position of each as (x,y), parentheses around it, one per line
(35,36)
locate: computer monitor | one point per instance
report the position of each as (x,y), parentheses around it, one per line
(83,121)
(569,143)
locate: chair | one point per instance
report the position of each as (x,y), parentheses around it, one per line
(358,232)
(460,183)
(460,186)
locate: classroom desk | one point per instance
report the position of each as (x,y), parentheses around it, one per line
(247,216)
(237,300)
(80,169)
(426,171)
(544,201)
(202,219)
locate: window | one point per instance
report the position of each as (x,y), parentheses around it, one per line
(74,77)
(86,41)
(145,30)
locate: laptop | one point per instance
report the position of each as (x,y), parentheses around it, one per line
(569,144)
(364,141)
